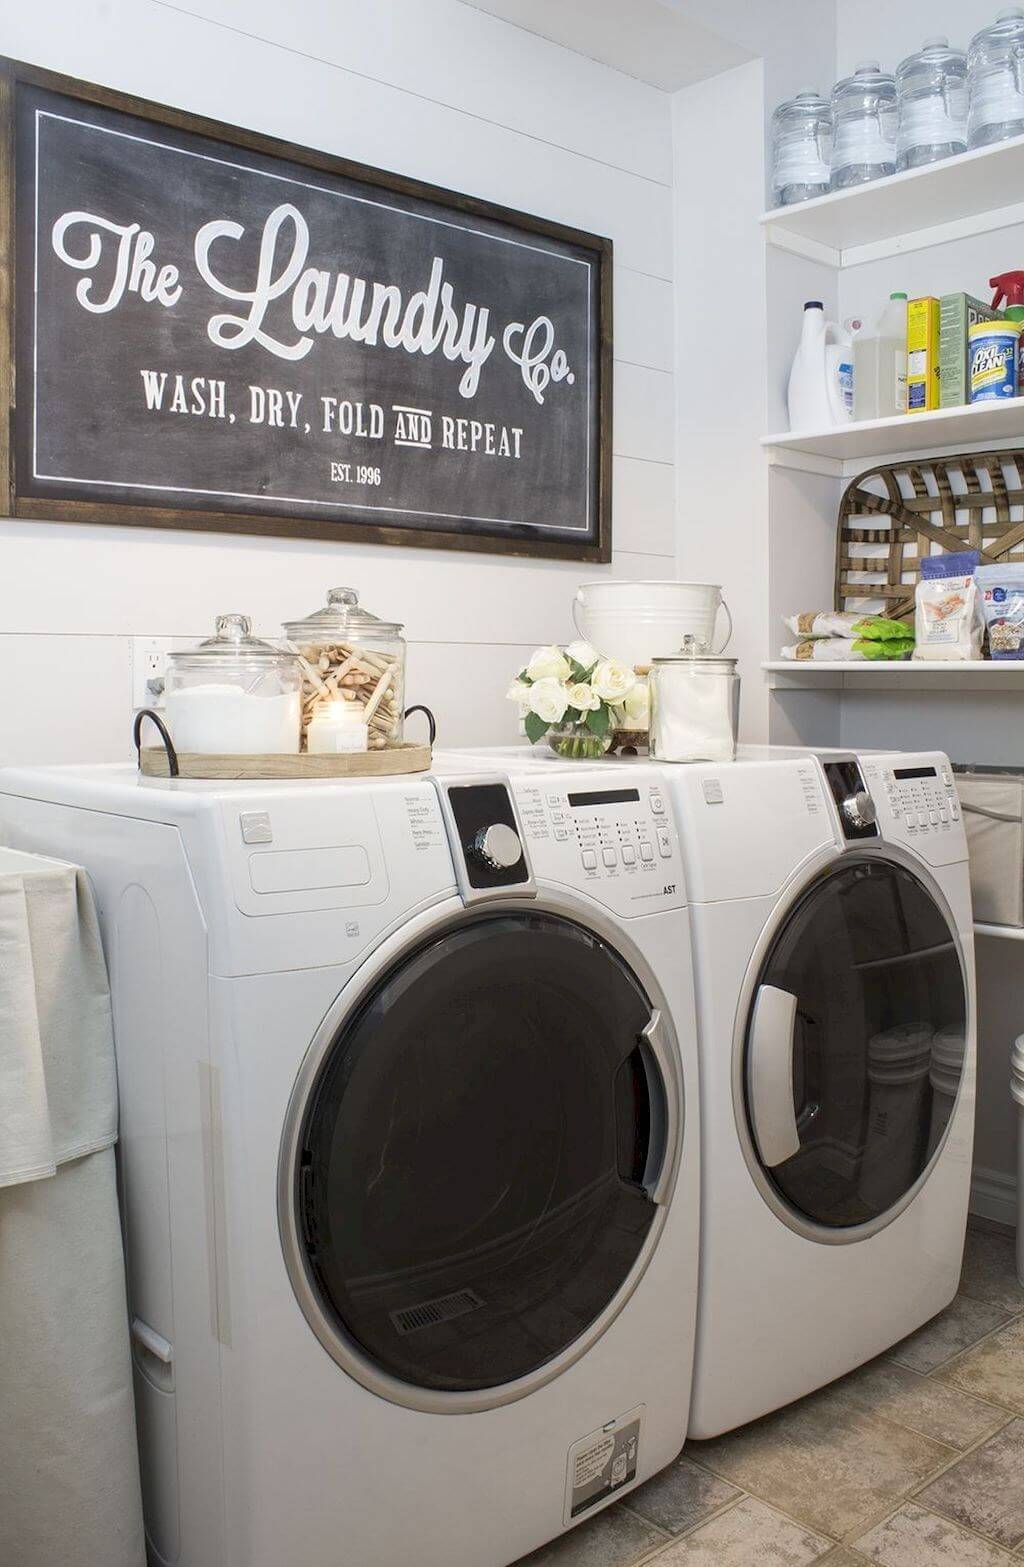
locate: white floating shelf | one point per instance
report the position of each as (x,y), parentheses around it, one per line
(907,434)
(942,201)
(1007,932)
(897,675)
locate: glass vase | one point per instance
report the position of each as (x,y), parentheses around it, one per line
(575,742)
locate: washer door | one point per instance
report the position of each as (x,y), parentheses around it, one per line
(854,1046)
(478,1164)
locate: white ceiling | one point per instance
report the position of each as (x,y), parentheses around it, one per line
(648,39)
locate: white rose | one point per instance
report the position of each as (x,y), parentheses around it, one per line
(519,692)
(638,703)
(584,655)
(549,700)
(613,681)
(583,697)
(548,663)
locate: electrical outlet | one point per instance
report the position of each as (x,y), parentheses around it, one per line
(148,666)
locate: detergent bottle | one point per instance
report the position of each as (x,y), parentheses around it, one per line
(1009,286)
(820,392)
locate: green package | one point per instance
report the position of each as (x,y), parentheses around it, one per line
(893,648)
(957,314)
(875,628)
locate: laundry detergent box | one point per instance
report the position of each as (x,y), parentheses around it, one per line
(922,355)
(957,314)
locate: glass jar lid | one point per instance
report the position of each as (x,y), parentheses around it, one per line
(342,617)
(232,643)
(692,654)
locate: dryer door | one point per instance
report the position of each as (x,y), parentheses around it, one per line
(474,1176)
(854,1047)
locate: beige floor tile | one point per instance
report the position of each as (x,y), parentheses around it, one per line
(958,1327)
(747,1535)
(613,1538)
(990,1272)
(995,1370)
(842,1556)
(680,1496)
(825,1461)
(915,1537)
(985,1490)
(921,1403)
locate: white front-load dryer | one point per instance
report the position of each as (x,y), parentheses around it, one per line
(409,1145)
(833,950)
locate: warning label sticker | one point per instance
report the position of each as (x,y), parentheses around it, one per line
(602,1463)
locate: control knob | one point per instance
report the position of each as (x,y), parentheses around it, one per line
(859,809)
(498,847)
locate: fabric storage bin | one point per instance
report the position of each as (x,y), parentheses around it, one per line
(992,800)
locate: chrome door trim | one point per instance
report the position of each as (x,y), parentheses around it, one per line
(432,923)
(818,869)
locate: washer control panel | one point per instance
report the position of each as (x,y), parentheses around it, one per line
(618,842)
(923,798)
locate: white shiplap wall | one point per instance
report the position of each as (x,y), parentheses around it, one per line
(440,91)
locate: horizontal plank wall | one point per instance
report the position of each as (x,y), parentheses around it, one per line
(440,91)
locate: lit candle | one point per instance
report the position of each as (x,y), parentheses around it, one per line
(336,727)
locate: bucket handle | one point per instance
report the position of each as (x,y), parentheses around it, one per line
(728,615)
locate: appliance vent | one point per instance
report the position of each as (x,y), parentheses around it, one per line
(430,1312)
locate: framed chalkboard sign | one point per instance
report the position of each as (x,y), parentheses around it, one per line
(211,329)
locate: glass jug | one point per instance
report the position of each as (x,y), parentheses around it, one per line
(863,126)
(931,101)
(995,80)
(801,145)
(349,655)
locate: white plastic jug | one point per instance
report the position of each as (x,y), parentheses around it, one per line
(638,621)
(820,392)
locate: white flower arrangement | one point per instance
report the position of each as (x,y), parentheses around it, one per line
(575,691)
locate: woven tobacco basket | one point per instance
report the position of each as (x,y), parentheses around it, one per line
(892,516)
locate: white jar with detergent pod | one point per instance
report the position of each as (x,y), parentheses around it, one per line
(995,80)
(801,148)
(695,706)
(931,105)
(899,1064)
(821,384)
(636,622)
(233,695)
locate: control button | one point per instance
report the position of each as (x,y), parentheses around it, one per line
(628,854)
(255,827)
(646,853)
(609,857)
(922,819)
(859,809)
(664,843)
(933,817)
(944,818)
(954,810)
(554,799)
(657,805)
(498,847)
(589,859)
(558,816)
(911,825)
(561,833)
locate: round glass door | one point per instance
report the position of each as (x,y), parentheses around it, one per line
(475,1164)
(855,1044)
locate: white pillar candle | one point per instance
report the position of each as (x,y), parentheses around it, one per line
(337,727)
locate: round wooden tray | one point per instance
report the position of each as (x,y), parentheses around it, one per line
(404,758)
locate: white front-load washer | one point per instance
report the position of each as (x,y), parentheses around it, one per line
(833,951)
(830,917)
(409,1146)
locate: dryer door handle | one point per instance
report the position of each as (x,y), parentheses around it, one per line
(662,1084)
(770,1075)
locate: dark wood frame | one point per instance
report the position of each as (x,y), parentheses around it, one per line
(14,505)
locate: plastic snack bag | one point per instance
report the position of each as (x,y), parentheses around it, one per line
(847,623)
(1001,589)
(947,608)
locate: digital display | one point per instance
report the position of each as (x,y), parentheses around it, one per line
(605,797)
(913,772)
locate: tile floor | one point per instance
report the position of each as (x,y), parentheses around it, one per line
(916,1460)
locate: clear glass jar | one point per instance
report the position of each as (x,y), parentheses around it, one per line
(863,126)
(695,706)
(233,695)
(931,104)
(349,655)
(995,80)
(801,147)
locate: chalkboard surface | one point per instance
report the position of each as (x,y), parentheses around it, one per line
(213,330)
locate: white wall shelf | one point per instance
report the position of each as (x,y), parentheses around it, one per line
(897,675)
(951,429)
(1007,932)
(898,214)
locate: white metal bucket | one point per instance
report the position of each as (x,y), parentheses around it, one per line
(638,621)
